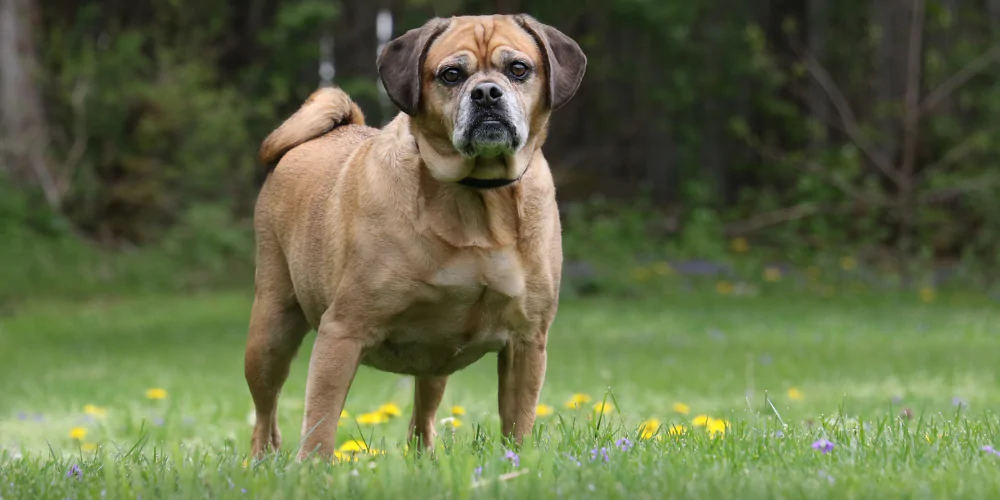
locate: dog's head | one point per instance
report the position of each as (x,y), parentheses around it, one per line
(479,91)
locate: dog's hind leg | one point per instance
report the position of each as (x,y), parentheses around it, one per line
(277,327)
(427,395)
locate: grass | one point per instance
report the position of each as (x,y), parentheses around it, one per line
(860,365)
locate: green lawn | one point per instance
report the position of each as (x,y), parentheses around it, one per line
(844,369)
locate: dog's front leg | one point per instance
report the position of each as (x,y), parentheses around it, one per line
(334,362)
(427,396)
(521,371)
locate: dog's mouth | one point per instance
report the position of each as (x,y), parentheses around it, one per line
(490,135)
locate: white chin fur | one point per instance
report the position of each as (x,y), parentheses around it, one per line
(461,134)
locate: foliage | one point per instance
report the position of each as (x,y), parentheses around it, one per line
(709,113)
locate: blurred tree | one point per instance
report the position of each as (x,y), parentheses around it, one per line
(23,125)
(813,121)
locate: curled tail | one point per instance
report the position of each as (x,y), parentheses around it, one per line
(324,110)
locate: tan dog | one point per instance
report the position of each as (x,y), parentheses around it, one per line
(418,248)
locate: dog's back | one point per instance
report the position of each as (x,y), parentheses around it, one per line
(307,157)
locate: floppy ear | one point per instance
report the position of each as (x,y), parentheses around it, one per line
(565,62)
(400,62)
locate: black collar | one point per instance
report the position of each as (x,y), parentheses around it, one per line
(482,183)
(487,183)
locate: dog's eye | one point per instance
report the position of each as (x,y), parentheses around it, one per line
(450,75)
(518,70)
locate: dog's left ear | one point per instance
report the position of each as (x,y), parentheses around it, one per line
(400,62)
(565,62)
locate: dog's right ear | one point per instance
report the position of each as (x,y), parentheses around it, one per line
(400,62)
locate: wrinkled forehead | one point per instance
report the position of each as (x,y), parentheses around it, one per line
(481,39)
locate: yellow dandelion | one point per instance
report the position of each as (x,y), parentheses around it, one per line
(156,393)
(77,433)
(662,268)
(94,410)
(577,400)
(739,245)
(928,294)
(794,394)
(676,430)
(389,410)
(603,408)
(649,428)
(682,408)
(88,447)
(640,273)
(724,287)
(373,418)
(772,274)
(246,462)
(354,445)
(344,414)
(543,410)
(457,410)
(345,457)
(452,422)
(848,263)
(716,426)
(701,420)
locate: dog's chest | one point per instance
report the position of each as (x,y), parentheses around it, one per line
(467,307)
(470,274)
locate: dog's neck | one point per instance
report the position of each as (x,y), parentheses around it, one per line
(460,215)
(446,164)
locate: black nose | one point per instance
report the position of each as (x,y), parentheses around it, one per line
(486,94)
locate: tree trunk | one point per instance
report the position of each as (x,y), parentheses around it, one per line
(993,9)
(24,134)
(355,47)
(818,19)
(892,19)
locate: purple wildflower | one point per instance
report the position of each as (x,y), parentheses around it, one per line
(990,449)
(897,399)
(477,472)
(957,401)
(22,416)
(603,452)
(574,460)
(779,434)
(75,472)
(823,446)
(514,459)
(39,417)
(624,444)
(158,421)
(243,490)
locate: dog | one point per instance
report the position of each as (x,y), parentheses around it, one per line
(420,247)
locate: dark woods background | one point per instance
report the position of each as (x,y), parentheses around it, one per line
(129,128)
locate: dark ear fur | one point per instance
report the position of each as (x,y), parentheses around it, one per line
(565,62)
(400,62)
